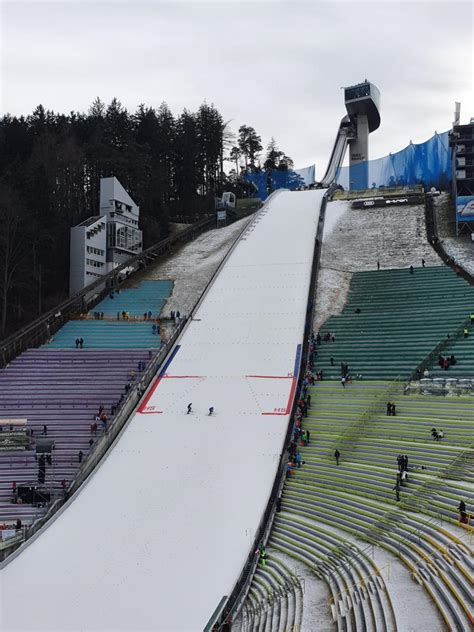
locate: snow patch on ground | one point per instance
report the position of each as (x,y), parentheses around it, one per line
(355,239)
(193,265)
(413,607)
(460,248)
(316,595)
(411,603)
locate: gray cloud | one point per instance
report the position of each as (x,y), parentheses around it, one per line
(275,65)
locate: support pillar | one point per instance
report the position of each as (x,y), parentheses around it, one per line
(359,155)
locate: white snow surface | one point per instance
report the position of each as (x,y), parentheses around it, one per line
(193,265)
(355,239)
(162,529)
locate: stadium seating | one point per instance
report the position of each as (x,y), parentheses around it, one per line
(102,334)
(275,599)
(148,296)
(62,387)
(358,496)
(402,318)
(63,390)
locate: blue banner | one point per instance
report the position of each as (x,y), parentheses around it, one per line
(427,163)
(265,182)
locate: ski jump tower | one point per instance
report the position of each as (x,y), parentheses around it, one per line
(363,107)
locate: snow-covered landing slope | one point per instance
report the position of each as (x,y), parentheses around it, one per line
(355,239)
(162,529)
(193,265)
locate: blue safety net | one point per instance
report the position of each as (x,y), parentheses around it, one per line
(427,163)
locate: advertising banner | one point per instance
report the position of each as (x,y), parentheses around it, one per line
(465,208)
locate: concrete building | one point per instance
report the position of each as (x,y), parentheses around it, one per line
(362,103)
(104,241)
(363,107)
(124,238)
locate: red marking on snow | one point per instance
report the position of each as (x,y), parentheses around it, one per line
(144,409)
(143,405)
(177,377)
(287,410)
(273,377)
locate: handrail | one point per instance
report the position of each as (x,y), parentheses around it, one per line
(41,329)
(352,433)
(239,592)
(441,346)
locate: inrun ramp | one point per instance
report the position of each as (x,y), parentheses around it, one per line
(162,529)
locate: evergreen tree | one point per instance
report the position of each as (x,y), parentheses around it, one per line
(250,144)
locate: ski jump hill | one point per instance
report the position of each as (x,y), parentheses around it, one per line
(162,529)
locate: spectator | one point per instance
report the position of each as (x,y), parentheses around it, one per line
(77,343)
(337,455)
(45,429)
(80,456)
(412,270)
(466,332)
(423,263)
(343,381)
(104,422)
(81,343)
(397,491)
(298,459)
(462,512)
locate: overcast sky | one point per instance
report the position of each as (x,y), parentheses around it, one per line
(277,66)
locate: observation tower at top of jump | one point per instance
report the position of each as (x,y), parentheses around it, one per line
(362,103)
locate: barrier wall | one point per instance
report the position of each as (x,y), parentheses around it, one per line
(427,163)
